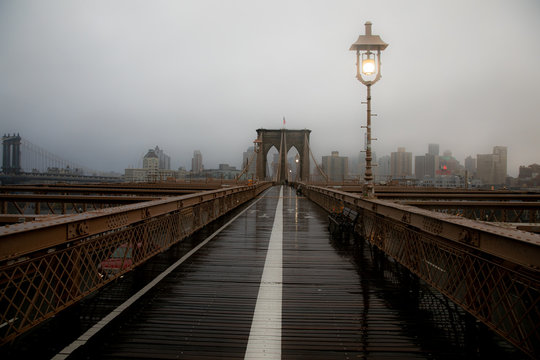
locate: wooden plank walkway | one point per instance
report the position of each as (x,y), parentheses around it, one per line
(204,309)
(329,313)
(330,307)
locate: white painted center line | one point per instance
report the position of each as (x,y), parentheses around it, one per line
(265,334)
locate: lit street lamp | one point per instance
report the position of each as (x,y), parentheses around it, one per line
(368,49)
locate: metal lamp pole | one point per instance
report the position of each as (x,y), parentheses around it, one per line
(368,49)
(368,176)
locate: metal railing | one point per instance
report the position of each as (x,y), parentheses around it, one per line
(491,272)
(492,211)
(48,265)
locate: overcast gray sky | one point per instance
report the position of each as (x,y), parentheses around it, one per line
(100,82)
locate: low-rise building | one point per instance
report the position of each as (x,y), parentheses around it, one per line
(151,171)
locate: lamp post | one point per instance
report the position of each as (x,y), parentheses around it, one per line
(368,49)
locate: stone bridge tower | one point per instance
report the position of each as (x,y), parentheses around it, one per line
(283,140)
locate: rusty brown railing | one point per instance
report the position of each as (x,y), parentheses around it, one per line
(490,271)
(48,265)
(492,211)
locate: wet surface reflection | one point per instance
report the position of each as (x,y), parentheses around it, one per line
(440,328)
(46,340)
(345,299)
(342,299)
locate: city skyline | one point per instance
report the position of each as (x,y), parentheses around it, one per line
(103,82)
(165,159)
(352,157)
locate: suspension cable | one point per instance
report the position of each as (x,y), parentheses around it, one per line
(250,159)
(316,165)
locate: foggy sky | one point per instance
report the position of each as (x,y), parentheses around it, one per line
(101,82)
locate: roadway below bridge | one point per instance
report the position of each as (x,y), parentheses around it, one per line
(272,283)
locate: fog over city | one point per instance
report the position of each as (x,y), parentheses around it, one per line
(101,82)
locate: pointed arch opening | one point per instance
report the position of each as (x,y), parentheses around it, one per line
(272,164)
(293,164)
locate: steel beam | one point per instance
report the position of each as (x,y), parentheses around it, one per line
(75,198)
(19,203)
(492,211)
(112,190)
(433,204)
(461,196)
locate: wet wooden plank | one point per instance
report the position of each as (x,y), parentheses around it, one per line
(332,309)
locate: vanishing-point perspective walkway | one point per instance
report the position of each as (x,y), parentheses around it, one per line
(270,284)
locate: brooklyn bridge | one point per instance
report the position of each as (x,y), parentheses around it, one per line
(266,269)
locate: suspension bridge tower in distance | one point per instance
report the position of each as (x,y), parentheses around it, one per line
(11,154)
(283,140)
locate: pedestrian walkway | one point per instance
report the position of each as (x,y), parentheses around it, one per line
(270,285)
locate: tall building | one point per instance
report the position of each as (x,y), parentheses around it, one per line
(484,168)
(431,165)
(248,155)
(401,163)
(419,167)
(335,167)
(491,168)
(433,149)
(383,168)
(501,158)
(196,162)
(470,165)
(164,159)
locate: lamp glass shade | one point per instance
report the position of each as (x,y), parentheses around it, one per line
(368,66)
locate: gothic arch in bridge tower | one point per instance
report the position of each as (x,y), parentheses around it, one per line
(283,140)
